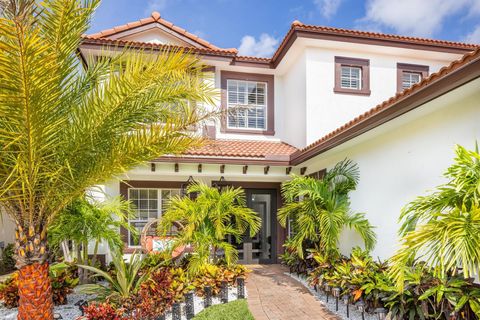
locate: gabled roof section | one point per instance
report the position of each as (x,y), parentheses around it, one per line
(154,19)
(299,29)
(113,43)
(458,73)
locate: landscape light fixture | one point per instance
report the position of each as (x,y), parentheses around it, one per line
(336,294)
(381,313)
(346,302)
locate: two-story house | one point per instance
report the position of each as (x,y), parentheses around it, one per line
(395,105)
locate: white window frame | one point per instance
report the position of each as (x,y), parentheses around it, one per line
(159,209)
(359,80)
(246,106)
(410,73)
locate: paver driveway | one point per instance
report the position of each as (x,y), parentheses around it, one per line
(272,295)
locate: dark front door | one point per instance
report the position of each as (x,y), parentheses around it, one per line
(260,248)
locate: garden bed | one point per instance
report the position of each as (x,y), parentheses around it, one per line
(71,311)
(354,314)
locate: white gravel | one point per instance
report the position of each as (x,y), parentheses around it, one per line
(322,298)
(69,311)
(72,312)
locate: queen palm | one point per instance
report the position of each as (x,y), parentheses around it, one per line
(63,130)
(208,220)
(443,228)
(318,210)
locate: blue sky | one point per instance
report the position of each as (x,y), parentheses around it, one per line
(257,26)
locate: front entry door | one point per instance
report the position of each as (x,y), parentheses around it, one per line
(260,248)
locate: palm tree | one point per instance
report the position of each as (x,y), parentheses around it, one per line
(63,130)
(319,210)
(89,220)
(207,221)
(443,228)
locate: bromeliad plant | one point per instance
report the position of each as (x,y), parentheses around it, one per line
(65,129)
(123,284)
(207,222)
(319,210)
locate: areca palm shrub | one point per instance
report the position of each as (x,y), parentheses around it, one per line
(208,220)
(63,130)
(87,220)
(319,210)
(443,227)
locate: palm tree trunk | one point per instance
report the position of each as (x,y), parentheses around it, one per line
(95,253)
(35,292)
(67,256)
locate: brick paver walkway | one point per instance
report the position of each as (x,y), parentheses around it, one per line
(272,295)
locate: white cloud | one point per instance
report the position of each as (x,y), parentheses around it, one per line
(474,36)
(412,17)
(264,47)
(155,5)
(328,8)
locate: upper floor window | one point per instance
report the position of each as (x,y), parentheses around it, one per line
(409,74)
(248,103)
(352,76)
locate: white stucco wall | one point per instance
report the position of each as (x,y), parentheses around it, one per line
(293,100)
(7,228)
(327,110)
(404,158)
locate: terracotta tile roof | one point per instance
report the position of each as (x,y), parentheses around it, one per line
(154,18)
(166,47)
(103,37)
(243,149)
(467,60)
(299,26)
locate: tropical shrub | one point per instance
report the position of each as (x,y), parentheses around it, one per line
(7,263)
(103,311)
(443,228)
(86,220)
(9,291)
(425,296)
(64,277)
(214,275)
(295,262)
(155,260)
(318,210)
(208,220)
(163,287)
